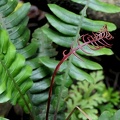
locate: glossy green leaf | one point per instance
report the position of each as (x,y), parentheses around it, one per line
(29,50)
(86,63)
(64,15)
(90,52)
(40,86)
(15,21)
(117,115)
(62,27)
(16,31)
(45,44)
(22,40)
(106,115)
(34,63)
(20,14)
(3,2)
(100,6)
(64,92)
(96,25)
(73,19)
(58,38)
(59,79)
(39,73)
(39,98)
(8,8)
(78,74)
(61,103)
(51,64)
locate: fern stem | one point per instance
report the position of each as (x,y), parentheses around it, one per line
(52,82)
(71,57)
(17,87)
(80,24)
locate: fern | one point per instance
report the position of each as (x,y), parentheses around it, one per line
(15,21)
(15,75)
(100,6)
(37,54)
(14,18)
(41,74)
(113,100)
(67,26)
(87,96)
(91,98)
(19,35)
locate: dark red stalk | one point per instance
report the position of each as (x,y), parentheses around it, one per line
(53,77)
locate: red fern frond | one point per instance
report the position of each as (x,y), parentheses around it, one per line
(98,40)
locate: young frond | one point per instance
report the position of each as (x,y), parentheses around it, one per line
(97,40)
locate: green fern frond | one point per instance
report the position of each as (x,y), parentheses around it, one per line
(15,21)
(66,24)
(46,47)
(15,75)
(41,74)
(100,6)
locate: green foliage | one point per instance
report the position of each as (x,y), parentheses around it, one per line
(87,96)
(15,75)
(91,98)
(41,74)
(100,6)
(15,21)
(67,26)
(106,115)
(112,100)
(39,55)
(64,36)
(14,18)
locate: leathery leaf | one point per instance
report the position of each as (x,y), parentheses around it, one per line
(100,6)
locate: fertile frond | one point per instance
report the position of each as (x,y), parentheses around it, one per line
(98,39)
